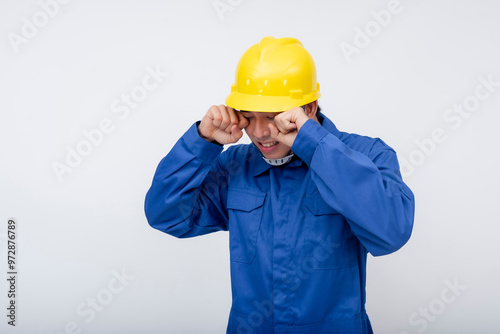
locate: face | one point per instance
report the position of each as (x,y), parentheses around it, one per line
(259,133)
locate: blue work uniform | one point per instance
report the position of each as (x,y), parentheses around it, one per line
(299,234)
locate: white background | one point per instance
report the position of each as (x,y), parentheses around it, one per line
(73,233)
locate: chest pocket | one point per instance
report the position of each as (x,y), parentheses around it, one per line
(245,215)
(331,243)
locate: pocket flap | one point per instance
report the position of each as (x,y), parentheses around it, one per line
(243,200)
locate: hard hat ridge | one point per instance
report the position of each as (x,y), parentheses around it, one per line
(269,44)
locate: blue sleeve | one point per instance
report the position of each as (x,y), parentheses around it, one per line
(187,193)
(366,188)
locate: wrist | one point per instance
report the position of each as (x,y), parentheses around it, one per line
(301,121)
(200,133)
(208,139)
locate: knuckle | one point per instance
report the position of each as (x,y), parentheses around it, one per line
(224,121)
(217,118)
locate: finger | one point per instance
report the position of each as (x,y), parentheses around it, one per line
(284,121)
(298,109)
(216,116)
(234,120)
(223,137)
(285,138)
(236,131)
(274,132)
(242,121)
(285,126)
(298,116)
(225,118)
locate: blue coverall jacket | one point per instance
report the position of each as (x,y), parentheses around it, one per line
(299,233)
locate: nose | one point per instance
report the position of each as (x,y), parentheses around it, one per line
(261,130)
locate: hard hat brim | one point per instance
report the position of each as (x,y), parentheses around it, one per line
(262,103)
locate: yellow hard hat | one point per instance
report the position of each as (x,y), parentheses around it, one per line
(276,74)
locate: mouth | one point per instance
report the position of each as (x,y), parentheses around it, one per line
(270,144)
(267,147)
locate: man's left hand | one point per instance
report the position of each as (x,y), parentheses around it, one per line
(287,125)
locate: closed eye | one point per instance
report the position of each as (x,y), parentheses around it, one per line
(246,115)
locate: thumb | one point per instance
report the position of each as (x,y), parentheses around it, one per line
(285,138)
(274,132)
(236,132)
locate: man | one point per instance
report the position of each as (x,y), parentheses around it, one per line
(303,204)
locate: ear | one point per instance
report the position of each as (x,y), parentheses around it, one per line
(311,109)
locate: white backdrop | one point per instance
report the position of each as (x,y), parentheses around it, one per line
(95,93)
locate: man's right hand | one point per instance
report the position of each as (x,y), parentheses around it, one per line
(222,124)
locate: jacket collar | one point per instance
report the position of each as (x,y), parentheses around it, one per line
(259,165)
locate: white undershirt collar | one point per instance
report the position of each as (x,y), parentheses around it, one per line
(280,161)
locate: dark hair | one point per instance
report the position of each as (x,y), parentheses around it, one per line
(319,115)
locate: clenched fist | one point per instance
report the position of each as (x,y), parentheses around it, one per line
(222,124)
(287,125)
